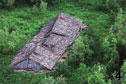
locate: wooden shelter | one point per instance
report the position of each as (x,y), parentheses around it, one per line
(48,46)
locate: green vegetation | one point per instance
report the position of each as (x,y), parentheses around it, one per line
(94,58)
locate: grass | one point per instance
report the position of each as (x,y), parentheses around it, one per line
(22,19)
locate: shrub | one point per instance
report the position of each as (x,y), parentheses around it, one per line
(113,45)
(89,2)
(79,51)
(119,30)
(123,70)
(55,1)
(114,5)
(123,3)
(110,56)
(89,75)
(8,40)
(39,9)
(7,3)
(49,80)
(11,37)
(123,67)
(35,10)
(108,5)
(10,3)
(36,2)
(43,7)
(0,5)
(60,80)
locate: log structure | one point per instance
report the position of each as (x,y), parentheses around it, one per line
(48,46)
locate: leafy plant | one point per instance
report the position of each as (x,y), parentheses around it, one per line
(89,75)
(7,3)
(60,80)
(109,5)
(123,70)
(40,9)
(8,41)
(43,7)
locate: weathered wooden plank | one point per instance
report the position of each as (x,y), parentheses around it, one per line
(25,64)
(22,65)
(30,65)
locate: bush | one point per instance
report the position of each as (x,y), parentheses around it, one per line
(89,75)
(110,56)
(43,7)
(36,2)
(123,3)
(123,67)
(123,70)
(79,51)
(89,2)
(10,3)
(108,5)
(40,9)
(119,30)
(35,10)
(12,37)
(7,3)
(60,80)
(112,5)
(55,1)
(8,40)
(0,5)
(49,80)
